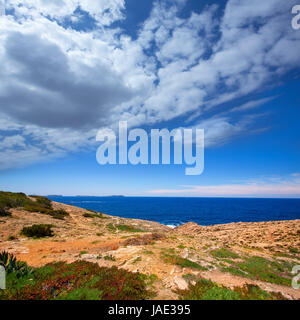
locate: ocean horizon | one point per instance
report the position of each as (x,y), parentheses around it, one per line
(175,211)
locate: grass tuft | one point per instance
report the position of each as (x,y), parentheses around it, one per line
(208,290)
(182,262)
(224,253)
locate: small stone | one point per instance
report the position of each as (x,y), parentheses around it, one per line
(181,283)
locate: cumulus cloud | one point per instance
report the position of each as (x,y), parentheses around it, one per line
(105,12)
(58,84)
(45,90)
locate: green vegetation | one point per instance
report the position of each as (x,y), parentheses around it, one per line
(189,277)
(138,259)
(82,253)
(208,290)
(182,262)
(123,228)
(12,200)
(38,231)
(266,270)
(285,255)
(293,250)
(40,204)
(109,258)
(93,215)
(233,270)
(259,268)
(224,253)
(4,212)
(149,252)
(43,205)
(80,280)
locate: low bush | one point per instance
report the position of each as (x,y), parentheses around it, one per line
(123,227)
(260,268)
(40,208)
(93,215)
(109,258)
(182,262)
(208,290)
(12,200)
(59,214)
(40,204)
(42,201)
(4,212)
(263,269)
(38,231)
(224,253)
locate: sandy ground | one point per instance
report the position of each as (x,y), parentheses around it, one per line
(78,237)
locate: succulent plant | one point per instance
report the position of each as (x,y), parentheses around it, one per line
(10,263)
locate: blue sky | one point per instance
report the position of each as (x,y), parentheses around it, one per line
(70,68)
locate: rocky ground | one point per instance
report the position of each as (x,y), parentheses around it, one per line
(233,254)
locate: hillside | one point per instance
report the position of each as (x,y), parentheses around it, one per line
(235,257)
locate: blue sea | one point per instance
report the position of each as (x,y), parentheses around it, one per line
(177,211)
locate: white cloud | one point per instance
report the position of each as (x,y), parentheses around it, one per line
(12,141)
(105,12)
(252,104)
(279,188)
(58,85)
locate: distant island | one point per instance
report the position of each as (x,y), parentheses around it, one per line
(81,196)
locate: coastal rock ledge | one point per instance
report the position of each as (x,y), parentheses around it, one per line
(189,228)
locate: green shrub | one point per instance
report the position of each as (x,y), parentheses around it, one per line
(293,250)
(12,200)
(224,253)
(42,201)
(40,204)
(182,262)
(260,268)
(93,211)
(109,258)
(123,227)
(59,214)
(93,215)
(235,271)
(38,231)
(82,294)
(208,290)
(36,207)
(4,212)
